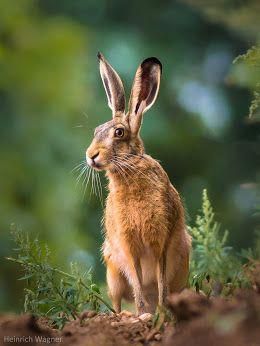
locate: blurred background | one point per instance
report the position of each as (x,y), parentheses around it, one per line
(52,98)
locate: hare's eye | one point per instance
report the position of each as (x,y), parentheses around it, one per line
(119,132)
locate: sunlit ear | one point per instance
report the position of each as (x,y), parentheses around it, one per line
(144,91)
(113,86)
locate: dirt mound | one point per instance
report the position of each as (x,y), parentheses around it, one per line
(197,321)
(24,330)
(117,329)
(215,322)
(91,329)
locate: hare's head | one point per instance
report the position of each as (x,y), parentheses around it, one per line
(120,136)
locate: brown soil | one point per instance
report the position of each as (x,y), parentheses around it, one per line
(197,321)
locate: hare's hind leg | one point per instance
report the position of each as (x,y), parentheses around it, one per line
(117,285)
(161,279)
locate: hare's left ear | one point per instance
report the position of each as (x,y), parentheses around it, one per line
(113,86)
(144,91)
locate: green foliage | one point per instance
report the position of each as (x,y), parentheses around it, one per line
(251,59)
(34,54)
(239,15)
(51,292)
(43,92)
(255,103)
(214,267)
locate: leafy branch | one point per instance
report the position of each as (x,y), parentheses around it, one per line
(252,59)
(51,292)
(214,267)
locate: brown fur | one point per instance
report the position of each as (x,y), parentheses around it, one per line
(146,247)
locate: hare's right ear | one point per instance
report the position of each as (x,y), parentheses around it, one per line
(113,86)
(144,91)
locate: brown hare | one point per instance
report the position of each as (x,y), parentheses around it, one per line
(146,247)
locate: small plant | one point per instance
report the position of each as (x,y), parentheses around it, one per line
(214,267)
(51,292)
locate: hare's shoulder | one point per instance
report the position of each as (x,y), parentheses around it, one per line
(152,167)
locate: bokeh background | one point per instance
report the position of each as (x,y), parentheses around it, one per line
(51,98)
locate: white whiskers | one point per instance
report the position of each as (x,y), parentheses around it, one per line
(87,174)
(129,169)
(125,166)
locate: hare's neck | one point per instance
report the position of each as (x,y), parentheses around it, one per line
(130,175)
(119,179)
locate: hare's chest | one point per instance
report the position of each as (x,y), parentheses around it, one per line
(130,218)
(122,217)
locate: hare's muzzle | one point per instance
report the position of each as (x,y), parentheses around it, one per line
(92,159)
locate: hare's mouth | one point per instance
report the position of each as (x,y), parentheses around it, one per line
(97,166)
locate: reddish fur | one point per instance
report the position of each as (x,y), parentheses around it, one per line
(140,217)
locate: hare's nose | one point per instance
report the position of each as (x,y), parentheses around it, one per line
(93,157)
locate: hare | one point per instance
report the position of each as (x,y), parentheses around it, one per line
(146,247)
